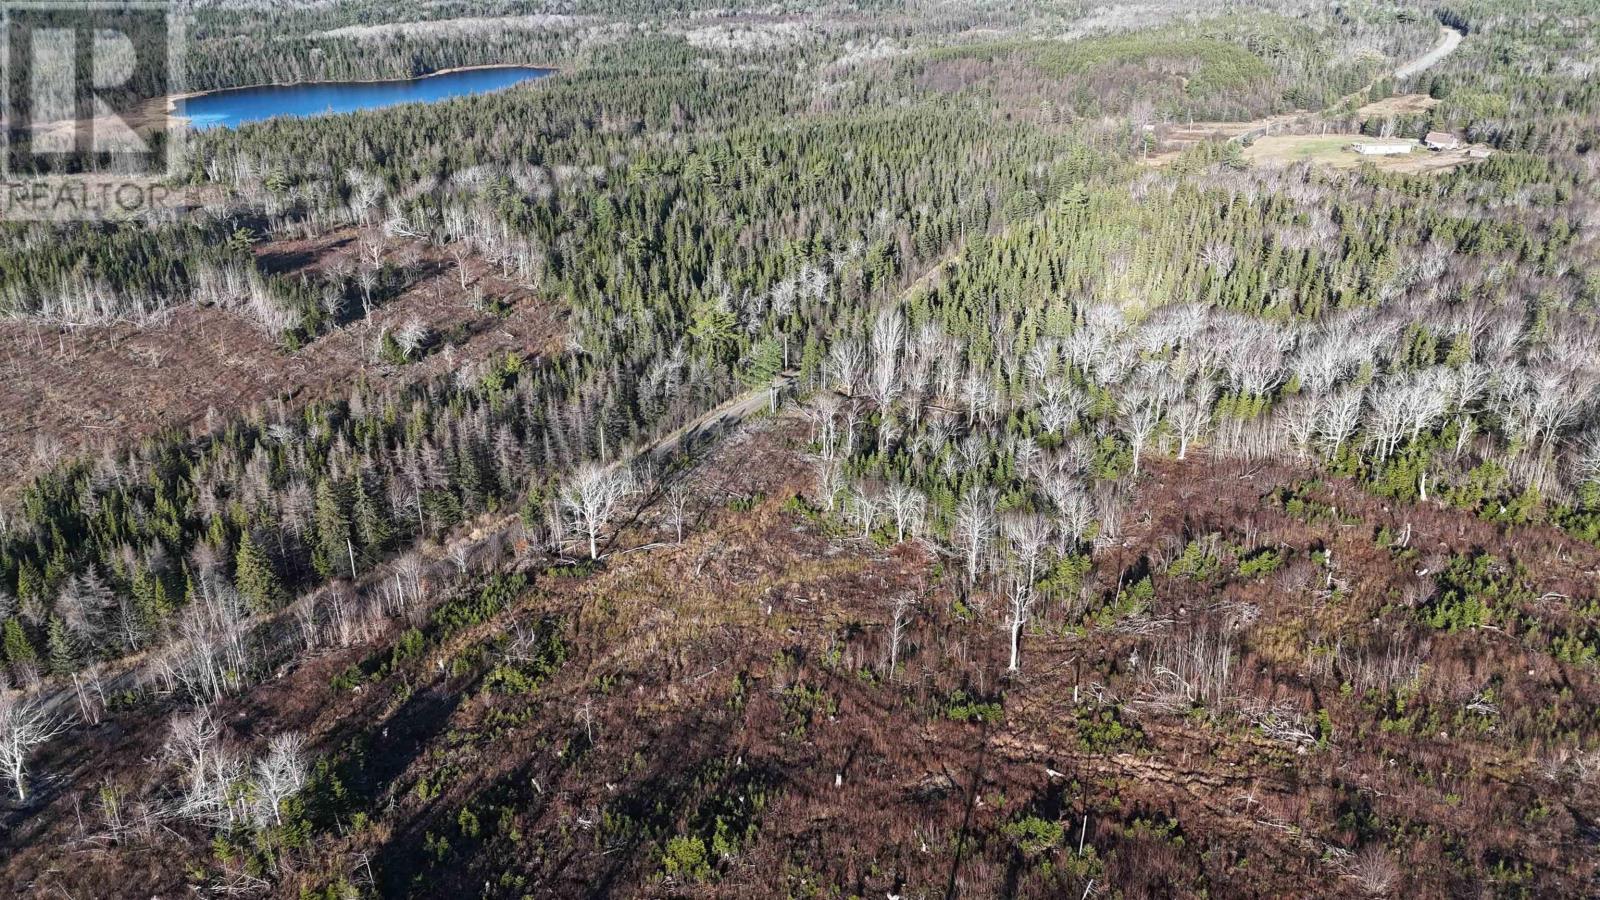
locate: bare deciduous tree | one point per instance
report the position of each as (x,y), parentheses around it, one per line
(847,360)
(1298,419)
(460,553)
(25,725)
(213,654)
(1058,411)
(829,481)
(192,741)
(677,501)
(899,617)
(1374,871)
(822,411)
(1028,535)
(1020,598)
(906,505)
(411,336)
(367,279)
(408,571)
(1189,421)
(888,334)
(865,505)
(461,253)
(1586,463)
(974,527)
(365,189)
(1140,423)
(279,775)
(978,396)
(591,498)
(1339,415)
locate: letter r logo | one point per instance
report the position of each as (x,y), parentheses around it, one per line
(85,86)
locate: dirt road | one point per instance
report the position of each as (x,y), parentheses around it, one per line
(126,675)
(728,414)
(1196,132)
(1449,39)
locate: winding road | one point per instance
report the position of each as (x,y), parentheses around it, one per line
(1234,132)
(1449,39)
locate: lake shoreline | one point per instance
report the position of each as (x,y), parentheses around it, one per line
(170,101)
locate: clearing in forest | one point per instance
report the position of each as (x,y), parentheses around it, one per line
(1334,151)
(72,389)
(1398,105)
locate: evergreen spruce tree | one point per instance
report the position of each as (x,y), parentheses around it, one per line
(150,598)
(16,646)
(58,646)
(372,519)
(330,553)
(254,577)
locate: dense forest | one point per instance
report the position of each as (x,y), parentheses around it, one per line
(1007,347)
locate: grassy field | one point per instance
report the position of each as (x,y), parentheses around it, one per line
(1402,105)
(1332,150)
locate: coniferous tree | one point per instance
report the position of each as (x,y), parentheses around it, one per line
(254,576)
(330,556)
(18,649)
(58,647)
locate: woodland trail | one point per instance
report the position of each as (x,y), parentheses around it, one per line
(1449,40)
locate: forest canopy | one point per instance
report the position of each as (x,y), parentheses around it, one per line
(616,455)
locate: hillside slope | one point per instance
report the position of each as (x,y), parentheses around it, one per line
(717,718)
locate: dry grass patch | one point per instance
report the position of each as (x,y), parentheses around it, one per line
(1400,105)
(1333,151)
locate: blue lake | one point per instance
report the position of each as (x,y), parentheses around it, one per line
(231,108)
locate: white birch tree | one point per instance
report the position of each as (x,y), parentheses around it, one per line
(974,527)
(25,725)
(592,496)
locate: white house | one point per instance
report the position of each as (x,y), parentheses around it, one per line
(1381,149)
(1441,140)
